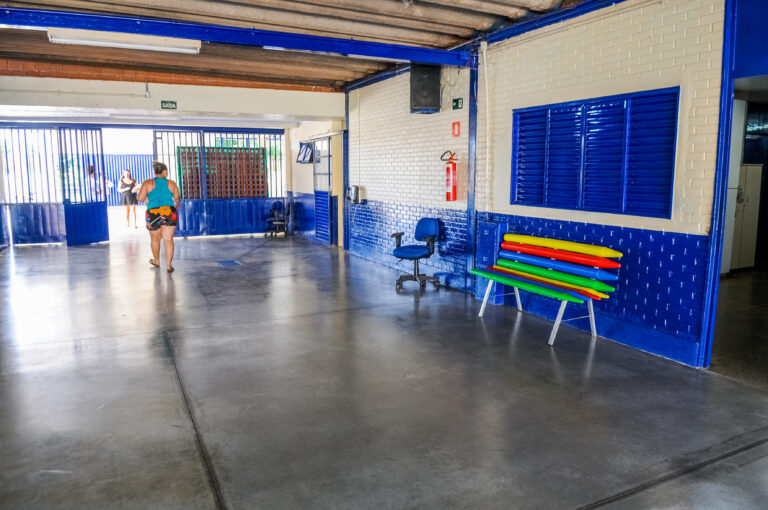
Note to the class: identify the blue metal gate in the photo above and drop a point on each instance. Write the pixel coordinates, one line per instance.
(52, 184)
(83, 182)
(228, 179)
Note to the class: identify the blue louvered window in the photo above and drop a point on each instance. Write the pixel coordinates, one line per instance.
(613, 154)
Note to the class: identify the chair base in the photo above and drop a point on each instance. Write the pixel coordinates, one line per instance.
(417, 277)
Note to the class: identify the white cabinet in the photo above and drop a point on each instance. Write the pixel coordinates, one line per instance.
(746, 217)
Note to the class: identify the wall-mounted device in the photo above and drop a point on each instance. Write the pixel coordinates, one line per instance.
(353, 194)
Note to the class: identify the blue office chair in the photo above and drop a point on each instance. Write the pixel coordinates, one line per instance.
(427, 230)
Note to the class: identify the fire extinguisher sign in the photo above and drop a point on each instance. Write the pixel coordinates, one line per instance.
(450, 175)
(456, 129)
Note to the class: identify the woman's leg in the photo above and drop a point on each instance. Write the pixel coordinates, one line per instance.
(154, 237)
(167, 232)
(133, 208)
(128, 215)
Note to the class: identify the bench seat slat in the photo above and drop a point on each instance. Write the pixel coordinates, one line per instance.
(556, 275)
(521, 284)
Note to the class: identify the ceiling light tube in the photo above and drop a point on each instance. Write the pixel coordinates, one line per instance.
(123, 40)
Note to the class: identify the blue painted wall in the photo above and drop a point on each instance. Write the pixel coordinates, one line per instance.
(372, 223)
(224, 216)
(658, 302)
(304, 214)
(751, 38)
(37, 223)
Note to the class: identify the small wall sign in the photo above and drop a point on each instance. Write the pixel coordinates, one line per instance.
(167, 105)
(456, 128)
(458, 103)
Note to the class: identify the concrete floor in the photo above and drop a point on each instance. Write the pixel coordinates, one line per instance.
(740, 348)
(301, 379)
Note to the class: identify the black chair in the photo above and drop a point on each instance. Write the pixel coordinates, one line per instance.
(427, 231)
(277, 219)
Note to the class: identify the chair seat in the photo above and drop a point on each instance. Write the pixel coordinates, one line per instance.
(411, 251)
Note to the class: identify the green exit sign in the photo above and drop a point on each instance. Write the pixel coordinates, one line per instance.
(458, 103)
(168, 105)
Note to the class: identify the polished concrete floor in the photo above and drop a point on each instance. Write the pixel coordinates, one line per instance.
(301, 379)
(740, 347)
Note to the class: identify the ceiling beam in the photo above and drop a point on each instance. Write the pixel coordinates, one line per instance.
(231, 35)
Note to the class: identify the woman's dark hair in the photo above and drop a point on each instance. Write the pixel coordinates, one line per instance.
(129, 173)
(159, 167)
(91, 170)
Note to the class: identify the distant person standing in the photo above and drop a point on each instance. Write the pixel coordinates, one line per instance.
(127, 189)
(162, 196)
(93, 185)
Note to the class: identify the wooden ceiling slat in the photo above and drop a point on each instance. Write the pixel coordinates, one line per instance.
(29, 45)
(369, 16)
(448, 16)
(250, 16)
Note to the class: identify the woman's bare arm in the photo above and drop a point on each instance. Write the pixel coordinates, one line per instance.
(176, 193)
(146, 187)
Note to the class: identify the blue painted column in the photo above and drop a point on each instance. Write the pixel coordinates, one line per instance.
(345, 173)
(721, 182)
(472, 167)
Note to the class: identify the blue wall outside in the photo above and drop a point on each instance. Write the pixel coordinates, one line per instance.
(658, 302)
(140, 166)
(373, 222)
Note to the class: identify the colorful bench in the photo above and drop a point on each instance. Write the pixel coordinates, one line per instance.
(564, 270)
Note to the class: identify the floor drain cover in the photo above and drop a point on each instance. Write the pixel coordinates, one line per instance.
(229, 263)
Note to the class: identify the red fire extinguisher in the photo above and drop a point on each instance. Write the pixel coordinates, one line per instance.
(450, 175)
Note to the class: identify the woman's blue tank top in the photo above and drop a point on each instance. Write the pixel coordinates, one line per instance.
(161, 195)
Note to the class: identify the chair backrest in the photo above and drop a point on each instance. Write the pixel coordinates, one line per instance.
(426, 227)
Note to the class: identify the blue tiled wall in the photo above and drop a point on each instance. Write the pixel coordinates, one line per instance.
(658, 302)
(372, 223)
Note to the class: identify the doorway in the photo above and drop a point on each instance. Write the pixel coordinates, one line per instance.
(740, 345)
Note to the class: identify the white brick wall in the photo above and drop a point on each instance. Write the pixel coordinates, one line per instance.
(632, 46)
(395, 155)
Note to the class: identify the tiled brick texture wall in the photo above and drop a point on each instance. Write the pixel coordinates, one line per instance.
(374, 222)
(662, 278)
(394, 155)
(631, 46)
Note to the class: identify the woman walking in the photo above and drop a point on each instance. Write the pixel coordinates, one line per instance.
(126, 187)
(163, 197)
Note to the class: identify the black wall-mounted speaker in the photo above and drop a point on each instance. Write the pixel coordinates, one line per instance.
(425, 88)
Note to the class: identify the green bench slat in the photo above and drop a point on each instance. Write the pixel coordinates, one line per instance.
(530, 287)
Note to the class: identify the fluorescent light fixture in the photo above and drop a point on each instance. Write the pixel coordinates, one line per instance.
(123, 40)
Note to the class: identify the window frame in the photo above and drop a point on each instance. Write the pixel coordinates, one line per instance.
(547, 108)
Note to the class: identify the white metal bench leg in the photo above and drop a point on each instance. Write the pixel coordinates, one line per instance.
(485, 299)
(517, 298)
(592, 318)
(557, 322)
